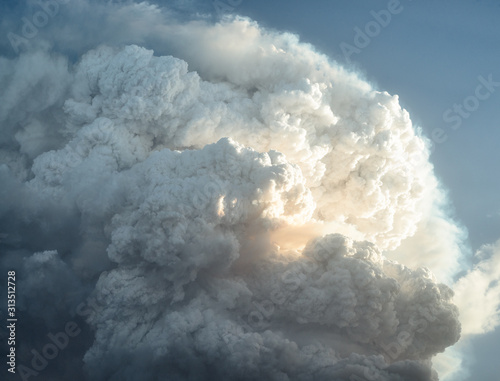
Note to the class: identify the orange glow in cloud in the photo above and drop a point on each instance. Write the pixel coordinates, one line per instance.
(295, 237)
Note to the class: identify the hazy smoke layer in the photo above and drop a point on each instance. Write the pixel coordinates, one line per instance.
(189, 210)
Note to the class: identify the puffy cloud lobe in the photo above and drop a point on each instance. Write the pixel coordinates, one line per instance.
(177, 221)
(206, 338)
(49, 285)
(478, 292)
(350, 288)
(354, 158)
(33, 89)
(184, 210)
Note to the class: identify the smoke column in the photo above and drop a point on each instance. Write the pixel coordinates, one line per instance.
(231, 205)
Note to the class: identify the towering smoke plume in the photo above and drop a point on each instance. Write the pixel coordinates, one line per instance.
(224, 212)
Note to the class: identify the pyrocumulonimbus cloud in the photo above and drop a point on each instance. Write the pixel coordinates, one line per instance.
(242, 209)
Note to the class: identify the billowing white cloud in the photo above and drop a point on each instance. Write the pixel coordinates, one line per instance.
(355, 159)
(477, 294)
(207, 191)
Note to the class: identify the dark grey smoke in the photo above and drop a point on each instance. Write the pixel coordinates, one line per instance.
(223, 207)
